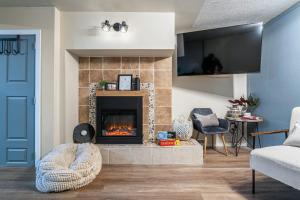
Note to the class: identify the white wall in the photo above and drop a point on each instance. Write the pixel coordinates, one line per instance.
(146, 30)
(42, 18)
(206, 91)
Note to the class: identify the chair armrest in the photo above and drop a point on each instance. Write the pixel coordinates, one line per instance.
(285, 131)
(224, 124)
(197, 124)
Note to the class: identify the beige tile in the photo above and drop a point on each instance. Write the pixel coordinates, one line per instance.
(84, 78)
(162, 156)
(104, 150)
(142, 156)
(163, 115)
(163, 63)
(84, 63)
(146, 98)
(119, 155)
(163, 97)
(145, 115)
(166, 127)
(111, 63)
(83, 114)
(146, 132)
(163, 79)
(134, 72)
(184, 155)
(111, 75)
(95, 76)
(147, 63)
(130, 62)
(83, 96)
(147, 76)
(96, 62)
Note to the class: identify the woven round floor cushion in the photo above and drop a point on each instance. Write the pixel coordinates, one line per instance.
(68, 167)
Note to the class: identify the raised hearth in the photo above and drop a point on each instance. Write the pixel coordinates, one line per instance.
(119, 117)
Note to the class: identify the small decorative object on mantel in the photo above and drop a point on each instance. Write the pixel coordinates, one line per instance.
(183, 128)
(124, 81)
(102, 84)
(136, 83)
(111, 86)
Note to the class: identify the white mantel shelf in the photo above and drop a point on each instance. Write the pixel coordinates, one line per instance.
(120, 93)
(188, 153)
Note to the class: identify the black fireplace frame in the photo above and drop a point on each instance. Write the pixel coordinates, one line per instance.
(119, 103)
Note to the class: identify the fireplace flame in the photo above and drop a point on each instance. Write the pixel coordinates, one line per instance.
(120, 130)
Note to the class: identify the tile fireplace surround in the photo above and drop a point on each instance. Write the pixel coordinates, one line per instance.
(156, 81)
(154, 71)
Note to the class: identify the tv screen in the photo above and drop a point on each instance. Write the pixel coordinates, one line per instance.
(230, 50)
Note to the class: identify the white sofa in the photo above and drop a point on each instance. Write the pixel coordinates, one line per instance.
(68, 167)
(279, 162)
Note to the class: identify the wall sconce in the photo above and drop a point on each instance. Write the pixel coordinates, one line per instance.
(118, 27)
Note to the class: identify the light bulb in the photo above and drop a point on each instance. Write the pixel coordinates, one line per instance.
(106, 26)
(124, 27)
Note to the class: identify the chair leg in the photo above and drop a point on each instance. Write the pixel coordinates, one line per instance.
(205, 145)
(253, 181)
(224, 143)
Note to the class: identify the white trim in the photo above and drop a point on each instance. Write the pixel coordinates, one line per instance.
(38, 83)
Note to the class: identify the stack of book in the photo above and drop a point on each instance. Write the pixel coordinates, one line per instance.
(167, 138)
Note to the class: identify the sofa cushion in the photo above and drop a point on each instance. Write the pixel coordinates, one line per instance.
(294, 136)
(214, 130)
(279, 162)
(207, 120)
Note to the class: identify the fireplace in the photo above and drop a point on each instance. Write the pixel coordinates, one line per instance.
(119, 120)
(118, 123)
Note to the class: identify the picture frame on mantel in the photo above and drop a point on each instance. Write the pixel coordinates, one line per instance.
(125, 82)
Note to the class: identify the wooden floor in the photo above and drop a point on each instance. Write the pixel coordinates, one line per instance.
(220, 178)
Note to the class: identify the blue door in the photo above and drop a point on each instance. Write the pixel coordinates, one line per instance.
(17, 83)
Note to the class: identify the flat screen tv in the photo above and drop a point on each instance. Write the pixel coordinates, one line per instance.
(230, 50)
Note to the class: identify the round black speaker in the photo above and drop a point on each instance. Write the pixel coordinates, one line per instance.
(83, 133)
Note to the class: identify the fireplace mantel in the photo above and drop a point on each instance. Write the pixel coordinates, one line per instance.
(120, 93)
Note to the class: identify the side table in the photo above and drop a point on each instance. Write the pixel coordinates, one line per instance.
(236, 140)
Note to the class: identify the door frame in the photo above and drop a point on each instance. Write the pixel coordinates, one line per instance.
(38, 75)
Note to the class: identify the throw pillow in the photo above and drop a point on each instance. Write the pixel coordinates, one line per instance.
(294, 137)
(207, 120)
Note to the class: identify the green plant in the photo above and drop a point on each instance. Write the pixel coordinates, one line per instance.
(252, 102)
(102, 83)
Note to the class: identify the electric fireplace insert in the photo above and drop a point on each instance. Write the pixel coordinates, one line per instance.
(119, 120)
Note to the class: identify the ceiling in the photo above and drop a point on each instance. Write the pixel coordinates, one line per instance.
(190, 14)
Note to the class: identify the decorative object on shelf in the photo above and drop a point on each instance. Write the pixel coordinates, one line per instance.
(102, 84)
(118, 27)
(241, 106)
(111, 86)
(83, 133)
(164, 135)
(252, 102)
(136, 83)
(183, 128)
(10, 46)
(124, 81)
(167, 142)
(234, 111)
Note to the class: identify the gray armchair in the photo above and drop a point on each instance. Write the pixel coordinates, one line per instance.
(222, 129)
